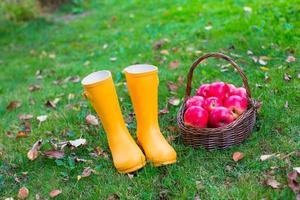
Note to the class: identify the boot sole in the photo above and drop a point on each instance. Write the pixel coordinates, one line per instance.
(132, 169)
(157, 164)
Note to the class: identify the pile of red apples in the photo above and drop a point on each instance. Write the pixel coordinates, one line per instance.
(215, 105)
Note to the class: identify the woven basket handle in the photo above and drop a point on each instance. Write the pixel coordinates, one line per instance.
(215, 55)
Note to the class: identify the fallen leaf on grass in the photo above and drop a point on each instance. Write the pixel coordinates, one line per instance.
(52, 55)
(273, 183)
(163, 111)
(286, 104)
(86, 63)
(208, 27)
(9, 134)
(34, 151)
(158, 44)
(113, 196)
(91, 119)
(265, 69)
(73, 79)
(237, 156)
(21, 134)
(287, 77)
(292, 181)
(130, 176)
(266, 157)
(13, 105)
(290, 59)
(173, 87)
(54, 154)
(33, 88)
(23, 193)
(86, 172)
(100, 152)
(297, 169)
(180, 80)
(52, 104)
(247, 9)
(174, 64)
(42, 118)
(164, 52)
(25, 116)
(113, 59)
(55, 193)
(174, 101)
(76, 143)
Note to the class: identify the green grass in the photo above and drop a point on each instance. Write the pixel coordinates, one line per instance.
(272, 29)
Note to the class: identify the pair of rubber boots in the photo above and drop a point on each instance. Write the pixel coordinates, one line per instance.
(142, 83)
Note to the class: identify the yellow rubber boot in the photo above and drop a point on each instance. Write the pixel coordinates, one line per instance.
(99, 89)
(142, 82)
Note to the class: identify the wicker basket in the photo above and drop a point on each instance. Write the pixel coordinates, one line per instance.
(226, 136)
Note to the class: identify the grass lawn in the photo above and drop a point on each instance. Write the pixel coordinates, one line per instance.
(114, 34)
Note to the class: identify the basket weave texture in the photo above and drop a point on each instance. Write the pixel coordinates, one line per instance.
(222, 137)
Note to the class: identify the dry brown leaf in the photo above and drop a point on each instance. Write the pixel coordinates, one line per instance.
(50, 104)
(74, 79)
(290, 59)
(54, 154)
(287, 77)
(273, 183)
(21, 134)
(86, 172)
(180, 80)
(34, 151)
(76, 143)
(100, 152)
(158, 44)
(297, 169)
(13, 105)
(25, 116)
(34, 87)
(266, 157)
(164, 52)
(54, 193)
(91, 119)
(247, 9)
(292, 181)
(113, 59)
(23, 193)
(174, 64)
(42, 118)
(174, 101)
(173, 87)
(9, 134)
(113, 196)
(265, 69)
(130, 176)
(163, 111)
(237, 156)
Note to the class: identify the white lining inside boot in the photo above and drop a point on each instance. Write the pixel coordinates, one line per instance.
(96, 77)
(140, 68)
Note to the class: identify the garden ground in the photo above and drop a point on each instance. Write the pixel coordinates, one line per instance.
(53, 52)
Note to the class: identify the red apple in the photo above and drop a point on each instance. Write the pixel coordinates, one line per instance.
(196, 117)
(218, 89)
(202, 90)
(220, 116)
(240, 92)
(231, 87)
(211, 102)
(236, 104)
(195, 101)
